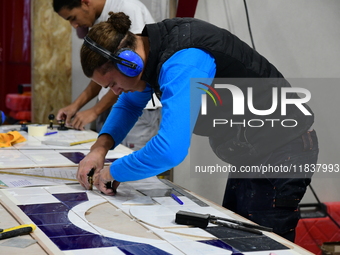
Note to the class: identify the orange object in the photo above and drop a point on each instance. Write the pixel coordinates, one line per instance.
(10, 138)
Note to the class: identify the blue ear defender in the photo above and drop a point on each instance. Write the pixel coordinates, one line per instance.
(133, 57)
(126, 60)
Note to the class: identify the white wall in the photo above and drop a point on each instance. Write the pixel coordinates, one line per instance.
(79, 80)
(159, 9)
(301, 38)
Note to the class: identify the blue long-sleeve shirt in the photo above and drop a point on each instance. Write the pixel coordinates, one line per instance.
(180, 108)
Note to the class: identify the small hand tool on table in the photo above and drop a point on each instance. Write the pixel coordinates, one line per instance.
(202, 221)
(16, 231)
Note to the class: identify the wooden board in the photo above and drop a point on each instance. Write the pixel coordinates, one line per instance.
(51, 61)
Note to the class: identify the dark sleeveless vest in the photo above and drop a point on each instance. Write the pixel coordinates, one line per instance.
(245, 68)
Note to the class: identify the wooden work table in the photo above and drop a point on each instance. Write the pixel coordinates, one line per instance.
(141, 217)
(112, 216)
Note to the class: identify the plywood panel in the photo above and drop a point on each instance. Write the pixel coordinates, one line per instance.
(51, 61)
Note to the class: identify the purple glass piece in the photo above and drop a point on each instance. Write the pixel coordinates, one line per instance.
(68, 236)
(87, 241)
(43, 208)
(79, 196)
(63, 230)
(50, 218)
(219, 244)
(75, 157)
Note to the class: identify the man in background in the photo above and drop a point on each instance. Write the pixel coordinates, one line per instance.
(83, 14)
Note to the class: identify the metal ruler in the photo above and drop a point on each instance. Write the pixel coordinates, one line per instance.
(184, 193)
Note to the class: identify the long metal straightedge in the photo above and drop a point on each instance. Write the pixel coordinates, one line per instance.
(184, 193)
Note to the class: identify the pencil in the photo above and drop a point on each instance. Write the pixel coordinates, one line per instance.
(84, 141)
(65, 143)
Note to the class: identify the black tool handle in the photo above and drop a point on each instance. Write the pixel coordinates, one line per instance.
(90, 178)
(241, 223)
(15, 232)
(242, 228)
(191, 218)
(109, 184)
(91, 173)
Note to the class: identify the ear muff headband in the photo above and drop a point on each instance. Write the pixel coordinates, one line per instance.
(126, 60)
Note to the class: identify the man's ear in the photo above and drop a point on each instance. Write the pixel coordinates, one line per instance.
(86, 2)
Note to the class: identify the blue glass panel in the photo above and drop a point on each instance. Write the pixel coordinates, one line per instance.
(75, 157)
(50, 218)
(142, 249)
(63, 230)
(43, 208)
(87, 241)
(56, 225)
(79, 196)
(219, 244)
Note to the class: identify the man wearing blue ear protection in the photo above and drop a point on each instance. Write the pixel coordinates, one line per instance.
(83, 14)
(173, 52)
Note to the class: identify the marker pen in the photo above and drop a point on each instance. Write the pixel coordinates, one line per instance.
(51, 133)
(177, 199)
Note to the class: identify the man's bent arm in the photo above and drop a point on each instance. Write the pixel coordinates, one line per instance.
(90, 92)
(105, 102)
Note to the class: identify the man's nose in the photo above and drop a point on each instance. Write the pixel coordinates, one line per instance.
(74, 24)
(116, 90)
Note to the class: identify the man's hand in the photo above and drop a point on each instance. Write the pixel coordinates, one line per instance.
(95, 159)
(81, 119)
(92, 160)
(67, 114)
(74, 119)
(105, 183)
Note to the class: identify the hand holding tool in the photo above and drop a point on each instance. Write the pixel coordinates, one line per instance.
(90, 178)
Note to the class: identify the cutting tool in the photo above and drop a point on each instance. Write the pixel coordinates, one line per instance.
(90, 178)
